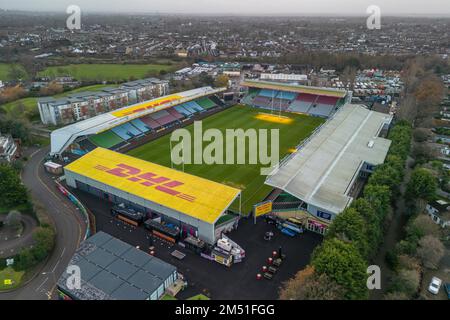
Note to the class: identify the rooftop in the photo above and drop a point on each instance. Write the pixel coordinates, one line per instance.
(294, 88)
(321, 172)
(114, 270)
(190, 195)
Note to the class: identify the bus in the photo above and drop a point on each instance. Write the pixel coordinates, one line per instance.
(161, 231)
(127, 215)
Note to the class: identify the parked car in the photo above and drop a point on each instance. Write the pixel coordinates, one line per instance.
(435, 285)
(447, 289)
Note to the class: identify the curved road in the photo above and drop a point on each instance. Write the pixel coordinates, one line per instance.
(69, 225)
(14, 245)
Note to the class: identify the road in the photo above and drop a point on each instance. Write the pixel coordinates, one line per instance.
(10, 245)
(69, 225)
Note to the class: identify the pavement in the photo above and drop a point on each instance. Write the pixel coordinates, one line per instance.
(209, 277)
(10, 244)
(69, 226)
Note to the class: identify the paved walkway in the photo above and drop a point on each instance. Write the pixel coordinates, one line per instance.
(11, 245)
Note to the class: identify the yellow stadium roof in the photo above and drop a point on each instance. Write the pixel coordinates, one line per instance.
(145, 105)
(194, 196)
(330, 92)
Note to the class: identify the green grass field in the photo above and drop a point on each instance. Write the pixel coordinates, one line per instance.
(245, 177)
(4, 71)
(106, 72)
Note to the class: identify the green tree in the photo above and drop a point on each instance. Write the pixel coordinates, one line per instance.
(379, 196)
(372, 223)
(13, 192)
(343, 264)
(422, 185)
(349, 226)
(221, 81)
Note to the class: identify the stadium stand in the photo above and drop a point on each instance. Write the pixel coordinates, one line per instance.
(126, 131)
(175, 114)
(163, 117)
(187, 113)
(268, 93)
(87, 145)
(140, 125)
(321, 110)
(252, 93)
(107, 139)
(262, 102)
(327, 100)
(150, 123)
(205, 103)
(281, 103)
(286, 95)
(216, 101)
(194, 105)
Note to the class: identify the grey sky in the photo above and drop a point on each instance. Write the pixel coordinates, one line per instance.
(294, 7)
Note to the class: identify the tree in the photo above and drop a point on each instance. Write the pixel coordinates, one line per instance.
(342, 263)
(425, 225)
(387, 175)
(372, 223)
(221, 81)
(406, 281)
(379, 196)
(307, 285)
(430, 251)
(13, 219)
(420, 135)
(15, 72)
(52, 89)
(422, 185)
(349, 226)
(13, 192)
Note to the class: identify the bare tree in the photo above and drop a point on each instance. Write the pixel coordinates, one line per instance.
(430, 251)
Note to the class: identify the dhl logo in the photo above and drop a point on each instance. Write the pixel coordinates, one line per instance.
(146, 106)
(148, 179)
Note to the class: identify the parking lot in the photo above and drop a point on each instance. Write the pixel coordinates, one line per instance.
(209, 277)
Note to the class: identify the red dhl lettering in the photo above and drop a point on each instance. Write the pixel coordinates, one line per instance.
(148, 179)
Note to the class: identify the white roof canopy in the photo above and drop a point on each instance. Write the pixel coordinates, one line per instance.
(62, 138)
(322, 171)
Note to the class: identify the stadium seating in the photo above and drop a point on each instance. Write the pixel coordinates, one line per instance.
(281, 103)
(286, 95)
(321, 110)
(268, 93)
(194, 105)
(302, 103)
(175, 114)
(262, 102)
(140, 125)
(327, 100)
(183, 110)
(252, 93)
(87, 145)
(151, 123)
(126, 131)
(205, 103)
(216, 101)
(163, 117)
(107, 139)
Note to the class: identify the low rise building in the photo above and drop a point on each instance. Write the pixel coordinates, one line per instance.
(439, 212)
(111, 269)
(84, 105)
(8, 149)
